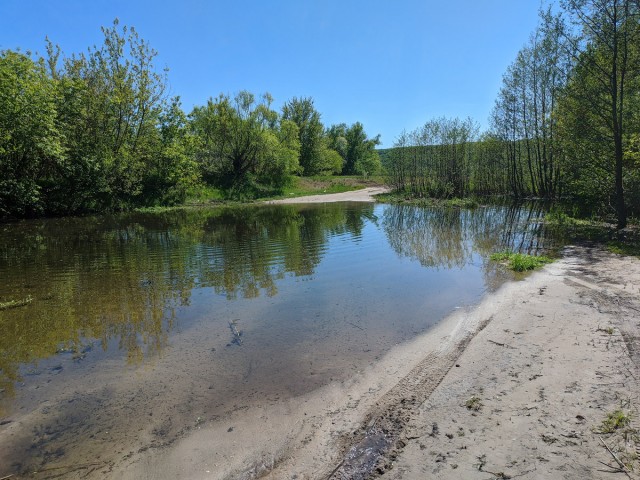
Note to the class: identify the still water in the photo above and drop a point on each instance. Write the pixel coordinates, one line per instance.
(140, 327)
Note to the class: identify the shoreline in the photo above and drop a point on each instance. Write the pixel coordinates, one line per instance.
(517, 386)
(536, 354)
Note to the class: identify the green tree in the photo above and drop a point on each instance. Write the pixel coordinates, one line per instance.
(336, 136)
(173, 170)
(110, 103)
(238, 145)
(30, 141)
(605, 83)
(361, 157)
(302, 112)
(523, 116)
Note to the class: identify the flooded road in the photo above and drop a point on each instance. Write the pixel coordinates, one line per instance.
(138, 329)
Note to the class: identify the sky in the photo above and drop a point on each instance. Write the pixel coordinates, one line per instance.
(389, 64)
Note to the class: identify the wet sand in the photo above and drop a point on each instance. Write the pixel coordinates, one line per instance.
(544, 360)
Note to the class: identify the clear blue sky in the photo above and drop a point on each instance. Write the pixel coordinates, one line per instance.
(390, 64)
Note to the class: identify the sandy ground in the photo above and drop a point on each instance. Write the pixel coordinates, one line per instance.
(362, 195)
(558, 356)
(517, 387)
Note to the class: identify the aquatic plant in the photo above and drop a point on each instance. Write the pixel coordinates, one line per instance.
(16, 303)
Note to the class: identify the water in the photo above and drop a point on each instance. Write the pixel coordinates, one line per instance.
(143, 326)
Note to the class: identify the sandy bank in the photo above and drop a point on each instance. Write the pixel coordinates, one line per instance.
(545, 359)
(559, 355)
(362, 195)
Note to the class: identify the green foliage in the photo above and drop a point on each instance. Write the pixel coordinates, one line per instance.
(520, 262)
(360, 156)
(404, 198)
(240, 148)
(615, 420)
(434, 160)
(90, 132)
(95, 132)
(624, 248)
(302, 112)
(30, 140)
(332, 160)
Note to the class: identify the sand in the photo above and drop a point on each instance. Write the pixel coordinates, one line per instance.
(362, 195)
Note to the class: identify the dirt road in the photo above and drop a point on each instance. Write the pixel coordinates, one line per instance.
(362, 195)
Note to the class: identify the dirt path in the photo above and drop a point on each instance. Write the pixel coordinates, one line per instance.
(362, 195)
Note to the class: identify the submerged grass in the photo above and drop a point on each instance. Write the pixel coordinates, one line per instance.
(521, 262)
(16, 303)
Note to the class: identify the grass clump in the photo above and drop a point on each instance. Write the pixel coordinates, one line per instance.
(614, 421)
(474, 403)
(520, 262)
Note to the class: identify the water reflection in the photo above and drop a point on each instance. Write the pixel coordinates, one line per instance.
(122, 277)
(449, 237)
(123, 280)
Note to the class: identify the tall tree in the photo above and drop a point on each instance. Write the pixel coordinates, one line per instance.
(607, 65)
(303, 113)
(238, 145)
(524, 112)
(110, 102)
(360, 157)
(30, 141)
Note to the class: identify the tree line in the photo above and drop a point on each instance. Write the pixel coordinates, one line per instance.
(566, 121)
(98, 132)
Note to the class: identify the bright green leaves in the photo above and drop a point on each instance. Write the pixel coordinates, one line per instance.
(30, 143)
(242, 145)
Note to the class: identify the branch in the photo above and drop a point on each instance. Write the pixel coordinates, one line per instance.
(615, 457)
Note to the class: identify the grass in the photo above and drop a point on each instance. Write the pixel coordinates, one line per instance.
(474, 403)
(300, 186)
(614, 421)
(200, 194)
(624, 248)
(406, 199)
(16, 303)
(520, 262)
(625, 242)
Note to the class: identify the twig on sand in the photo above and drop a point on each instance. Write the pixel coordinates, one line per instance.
(354, 325)
(335, 470)
(8, 476)
(501, 344)
(615, 457)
